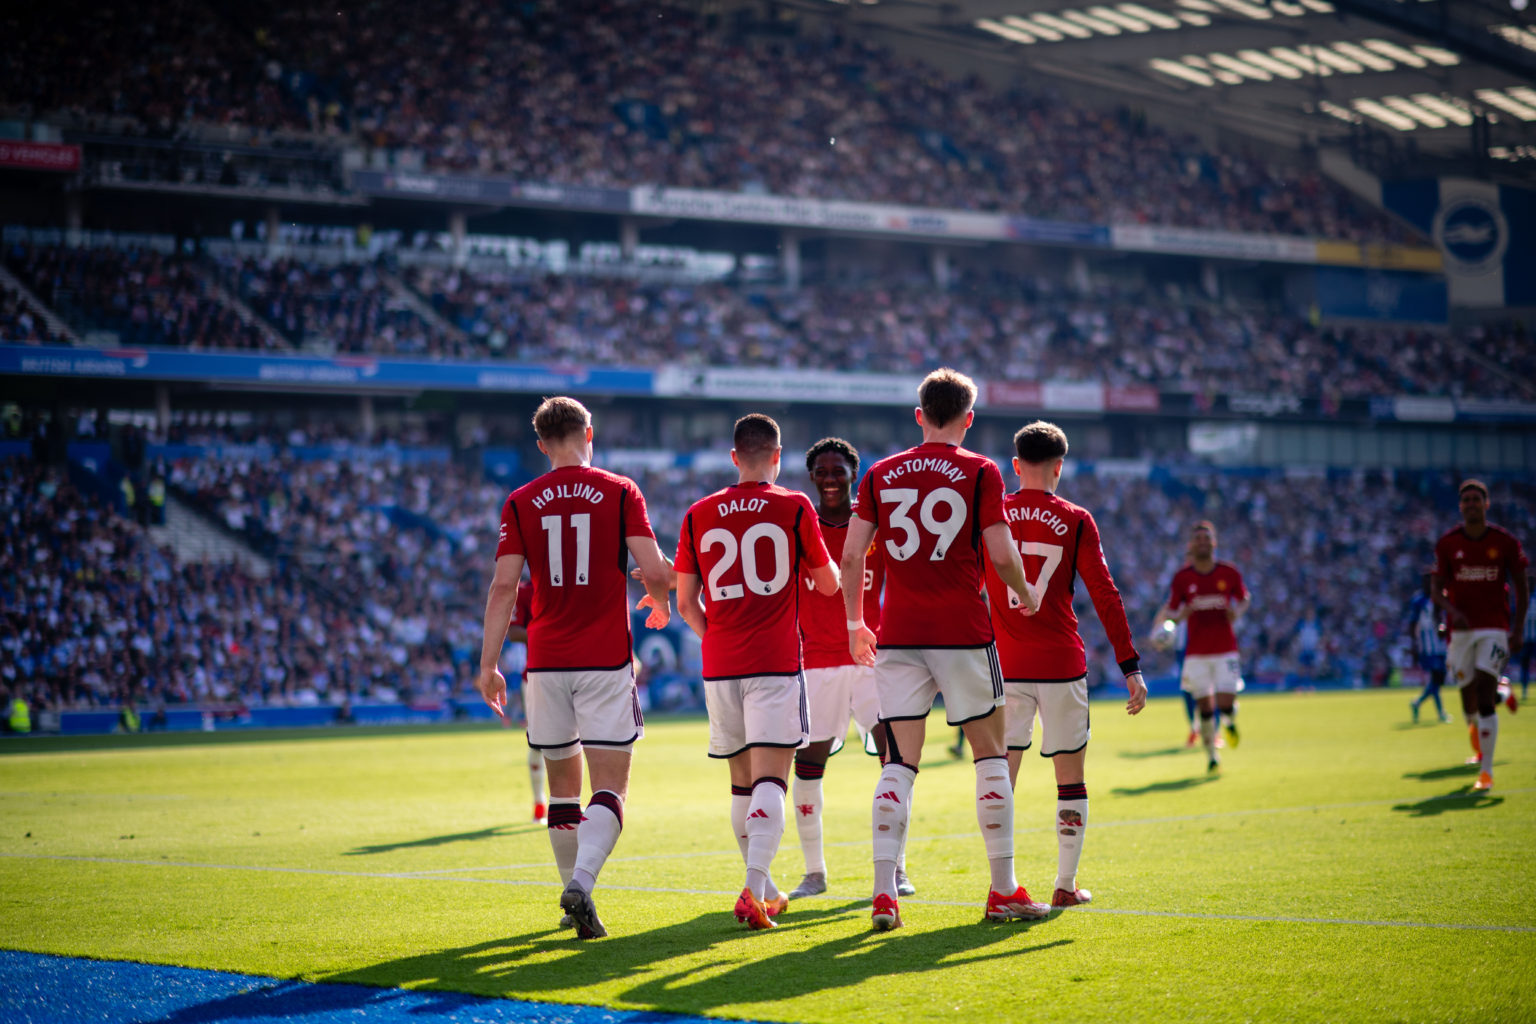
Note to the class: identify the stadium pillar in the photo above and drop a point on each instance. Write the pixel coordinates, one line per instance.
(938, 265)
(1080, 277)
(789, 257)
(274, 222)
(629, 238)
(365, 417)
(1210, 280)
(74, 217)
(457, 227)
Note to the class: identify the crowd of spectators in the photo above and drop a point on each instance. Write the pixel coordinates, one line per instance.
(21, 322)
(341, 307)
(143, 295)
(635, 92)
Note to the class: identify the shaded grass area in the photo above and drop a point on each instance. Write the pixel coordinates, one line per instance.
(1337, 869)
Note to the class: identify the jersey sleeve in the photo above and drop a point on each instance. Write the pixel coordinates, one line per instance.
(1240, 589)
(1094, 570)
(637, 521)
(1519, 564)
(989, 496)
(864, 503)
(686, 560)
(510, 542)
(816, 554)
(1175, 595)
(1442, 564)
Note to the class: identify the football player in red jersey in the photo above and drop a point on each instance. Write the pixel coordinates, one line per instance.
(517, 633)
(1475, 563)
(839, 688)
(939, 512)
(573, 526)
(741, 554)
(1045, 668)
(1209, 597)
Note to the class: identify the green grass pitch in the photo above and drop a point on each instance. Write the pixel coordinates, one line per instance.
(1337, 870)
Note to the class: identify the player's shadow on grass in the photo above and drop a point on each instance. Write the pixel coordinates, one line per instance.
(1461, 800)
(1449, 772)
(1170, 786)
(495, 832)
(1142, 755)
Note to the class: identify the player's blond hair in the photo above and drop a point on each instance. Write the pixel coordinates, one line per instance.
(559, 417)
(945, 395)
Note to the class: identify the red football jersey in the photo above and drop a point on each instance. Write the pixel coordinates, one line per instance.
(823, 619)
(1475, 574)
(522, 612)
(1059, 542)
(930, 505)
(750, 542)
(571, 524)
(1208, 596)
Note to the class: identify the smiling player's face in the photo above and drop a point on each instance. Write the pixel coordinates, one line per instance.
(1201, 544)
(833, 478)
(1474, 507)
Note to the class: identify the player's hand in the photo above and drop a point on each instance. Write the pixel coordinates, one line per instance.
(639, 577)
(862, 645)
(493, 690)
(1138, 689)
(1029, 601)
(659, 617)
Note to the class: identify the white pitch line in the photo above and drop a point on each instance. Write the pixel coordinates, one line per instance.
(1176, 914)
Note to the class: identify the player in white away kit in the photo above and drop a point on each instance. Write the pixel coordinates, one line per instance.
(573, 526)
(741, 554)
(1472, 564)
(936, 507)
(1209, 597)
(840, 688)
(1045, 668)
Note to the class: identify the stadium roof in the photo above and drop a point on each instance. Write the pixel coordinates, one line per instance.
(1285, 70)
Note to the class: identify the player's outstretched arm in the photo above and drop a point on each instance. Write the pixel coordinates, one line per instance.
(639, 577)
(1137, 687)
(689, 603)
(499, 604)
(1010, 567)
(861, 639)
(657, 575)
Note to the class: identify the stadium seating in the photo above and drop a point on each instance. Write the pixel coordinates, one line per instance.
(596, 92)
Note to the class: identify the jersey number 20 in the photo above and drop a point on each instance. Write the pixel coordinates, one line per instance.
(750, 569)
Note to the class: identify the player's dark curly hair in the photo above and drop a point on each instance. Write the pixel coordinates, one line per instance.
(832, 444)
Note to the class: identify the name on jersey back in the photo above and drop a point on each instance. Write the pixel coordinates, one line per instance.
(742, 505)
(585, 492)
(928, 465)
(1043, 516)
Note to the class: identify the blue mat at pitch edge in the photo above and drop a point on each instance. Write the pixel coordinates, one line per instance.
(38, 989)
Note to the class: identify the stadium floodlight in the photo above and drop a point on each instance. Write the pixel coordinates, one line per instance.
(1405, 106)
(1008, 32)
(1320, 6)
(1448, 107)
(1157, 19)
(1515, 34)
(1342, 113)
(1300, 60)
(1434, 54)
(1063, 26)
(1397, 53)
(1360, 55)
(1091, 23)
(1237, 67)
(1259, 59)
(1120, 18)
(1195, 18)
(1248, 10)
(1508, 104)
(1337, 61)
(1045, 32)
(1177, 70)
(1386, 115)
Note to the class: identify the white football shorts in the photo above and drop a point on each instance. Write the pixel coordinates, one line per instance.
(1063, 710)
(1476, 650)
(756, 711)
(837, 696)
(907, 679)
(597, 708)
(1208, 674)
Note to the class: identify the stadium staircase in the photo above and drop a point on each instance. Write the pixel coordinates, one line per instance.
(55, 323)
(248, 317)
(194, 538)
(420, 306)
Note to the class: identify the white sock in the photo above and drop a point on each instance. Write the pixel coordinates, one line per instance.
(808, 823)
(1208, 734)
(892, 813)
(596, 836)
(765, 830)
(901, 855)
(1488, 733)
(536, 775)
(1071, 824)
(994, 813)
(741, 801)
(564, 823)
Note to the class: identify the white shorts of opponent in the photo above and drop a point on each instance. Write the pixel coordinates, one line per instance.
(839, 695)
(598, 708)
(908, 679)
(1473, 651)
(1208, 674)
(1063, 710)
(756, 711)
